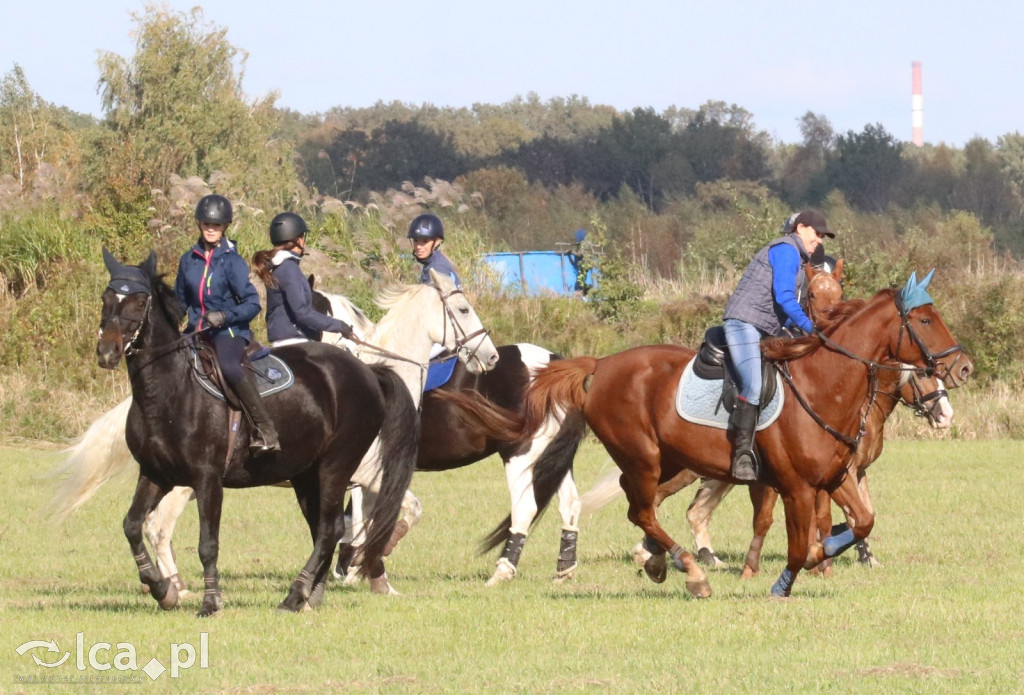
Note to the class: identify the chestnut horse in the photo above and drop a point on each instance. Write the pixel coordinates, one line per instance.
(628, 400)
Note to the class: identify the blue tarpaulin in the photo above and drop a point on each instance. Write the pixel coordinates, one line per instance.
(538, 273)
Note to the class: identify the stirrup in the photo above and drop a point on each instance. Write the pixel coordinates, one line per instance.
(745, 466)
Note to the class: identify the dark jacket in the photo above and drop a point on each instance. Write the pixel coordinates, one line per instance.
(217, 281)
(439, 262)
(290, 312)
(753, 301)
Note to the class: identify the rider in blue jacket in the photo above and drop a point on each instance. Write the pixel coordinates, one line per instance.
(213, 284)
(290, 313)
(764, 300)
(427, 235)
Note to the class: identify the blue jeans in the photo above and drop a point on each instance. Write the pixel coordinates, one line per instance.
(745, 357)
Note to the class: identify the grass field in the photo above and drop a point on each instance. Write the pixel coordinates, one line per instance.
(941, 615)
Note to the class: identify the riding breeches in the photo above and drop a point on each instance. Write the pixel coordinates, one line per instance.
(229, 354)
(745, 358)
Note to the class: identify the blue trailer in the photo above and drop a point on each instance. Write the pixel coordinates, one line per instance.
(540, 273)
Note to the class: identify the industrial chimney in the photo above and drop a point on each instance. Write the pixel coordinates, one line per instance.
(917, 106)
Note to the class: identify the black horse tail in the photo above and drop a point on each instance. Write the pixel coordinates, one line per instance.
(550, 468)
(399, 445)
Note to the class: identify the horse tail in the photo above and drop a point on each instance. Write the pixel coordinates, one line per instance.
(399, 445)
(558, 388)
(550, 468)
(97, 456)
(481, 415)
(604, 491)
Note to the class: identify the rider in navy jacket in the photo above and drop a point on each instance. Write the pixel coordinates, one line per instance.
(427, 235)
(213, 284)
(290, 312)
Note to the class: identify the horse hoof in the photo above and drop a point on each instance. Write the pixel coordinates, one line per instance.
(640, 554)
(699, 589)
(749, 572)
(504, 572)
(381, 585)
(707, 557)
(170, 599)
(656, 568)
(211, 609)
(566, 574)
(316, 598)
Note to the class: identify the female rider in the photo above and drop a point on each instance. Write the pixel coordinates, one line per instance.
(213, 283)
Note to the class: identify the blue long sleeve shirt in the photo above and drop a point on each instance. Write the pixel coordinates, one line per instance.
(785, 263)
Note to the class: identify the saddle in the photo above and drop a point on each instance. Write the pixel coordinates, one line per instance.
(271, 372)
(439, 371)
(710, 365)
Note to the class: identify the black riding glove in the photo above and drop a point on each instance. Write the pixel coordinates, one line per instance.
(216, 319)
(346, 331)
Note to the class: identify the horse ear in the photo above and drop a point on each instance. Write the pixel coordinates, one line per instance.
(927, 279)
(838, 272)
(113, 265)
(149, 265)
(312, 280)
(808, 270)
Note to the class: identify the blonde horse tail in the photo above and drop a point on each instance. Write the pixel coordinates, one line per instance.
(604, 491)
(96, 457)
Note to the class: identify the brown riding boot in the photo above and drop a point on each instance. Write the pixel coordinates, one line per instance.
(742, 421)
(264, 434)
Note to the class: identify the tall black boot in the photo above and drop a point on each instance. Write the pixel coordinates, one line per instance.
(264, 435)
(742, 421)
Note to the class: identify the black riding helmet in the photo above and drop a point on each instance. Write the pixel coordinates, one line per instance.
(287, 227)
(426, 227)
(215, 209)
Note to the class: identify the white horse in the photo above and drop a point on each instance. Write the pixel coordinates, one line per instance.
(419, 316)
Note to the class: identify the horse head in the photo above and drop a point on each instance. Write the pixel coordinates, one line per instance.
(824, 289)
(127, 301)
(927, 397)
(462, 331)
(924, 337)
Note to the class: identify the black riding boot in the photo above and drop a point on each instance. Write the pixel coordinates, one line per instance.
(264, 435)
(742, 421)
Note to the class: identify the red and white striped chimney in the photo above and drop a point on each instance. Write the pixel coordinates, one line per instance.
(917, 106)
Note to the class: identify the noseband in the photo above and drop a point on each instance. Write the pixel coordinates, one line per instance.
(128, 347)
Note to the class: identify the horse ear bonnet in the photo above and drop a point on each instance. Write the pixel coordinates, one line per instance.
(126, 279)
(915, 293)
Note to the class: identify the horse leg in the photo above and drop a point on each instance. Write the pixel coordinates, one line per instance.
(670, 487)
(823, 516)
(210, 498)
(860, 521)
(324, 516)
(709, 495)
(379, 583)
(569, 507)
(412, 512)
(642, 512)
(519, 478)
(864, 554)
(147, 495)
(763, 499)
(159, 528)
(349, 543)
(799, 505)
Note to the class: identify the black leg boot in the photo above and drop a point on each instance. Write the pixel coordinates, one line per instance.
(264, 435)
(743, 420)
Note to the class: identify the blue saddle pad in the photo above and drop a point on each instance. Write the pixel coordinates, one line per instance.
(439, 372)
(272, 375)
(699, 401)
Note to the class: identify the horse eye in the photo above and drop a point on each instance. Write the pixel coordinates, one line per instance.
(464, 311)
(926, 321)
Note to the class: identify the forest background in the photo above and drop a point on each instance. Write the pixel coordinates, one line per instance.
(674, 203)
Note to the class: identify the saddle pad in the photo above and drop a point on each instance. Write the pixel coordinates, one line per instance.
(699, 401)
(272, 375)
(439, 372)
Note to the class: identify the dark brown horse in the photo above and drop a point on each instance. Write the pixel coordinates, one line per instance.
(628, 401)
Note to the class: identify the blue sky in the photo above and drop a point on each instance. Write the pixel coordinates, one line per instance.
(850, 62)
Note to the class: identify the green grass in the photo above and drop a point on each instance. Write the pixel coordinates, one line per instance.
(941, 615)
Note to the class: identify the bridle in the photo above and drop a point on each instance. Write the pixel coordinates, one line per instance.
(462, 338)
(128, 347)
(918, 406)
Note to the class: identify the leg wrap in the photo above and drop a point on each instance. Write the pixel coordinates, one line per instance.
(567, 551)
(514, 548)
(783, 585)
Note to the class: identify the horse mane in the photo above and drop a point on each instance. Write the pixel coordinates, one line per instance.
(388, 297)
(167, 301)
